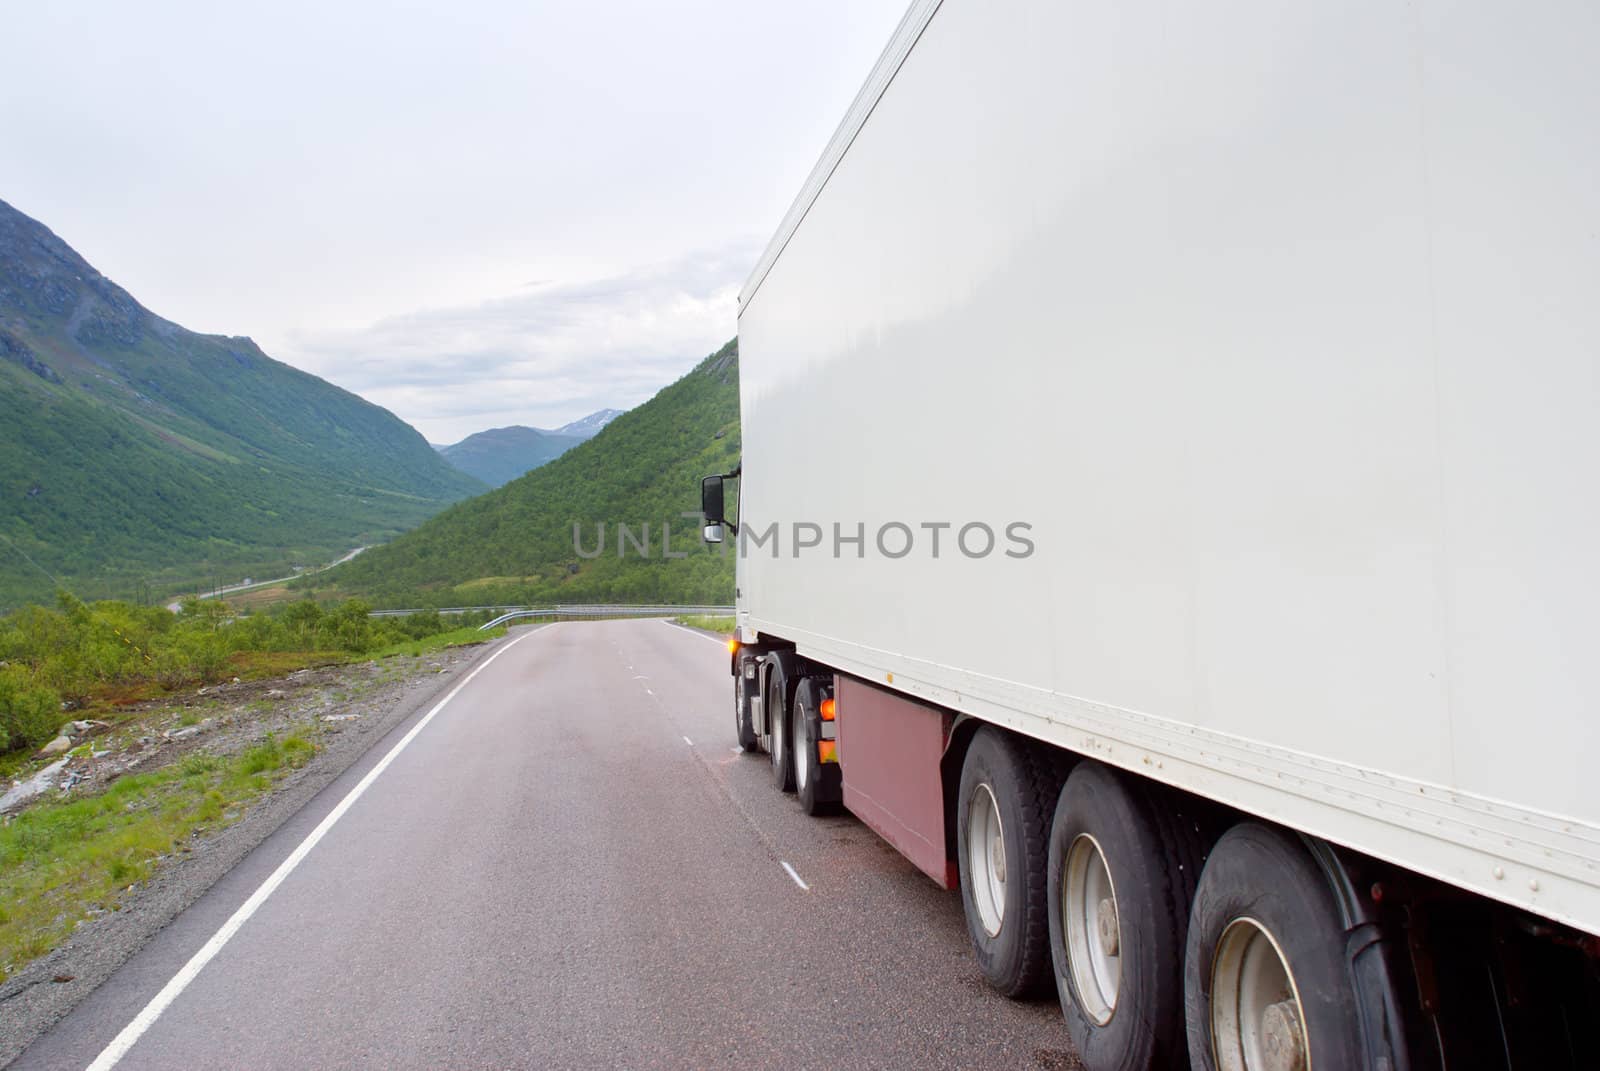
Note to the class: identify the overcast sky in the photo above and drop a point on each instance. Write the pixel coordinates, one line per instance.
(473, 213)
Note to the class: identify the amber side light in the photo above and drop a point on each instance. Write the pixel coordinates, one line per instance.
(828, 709)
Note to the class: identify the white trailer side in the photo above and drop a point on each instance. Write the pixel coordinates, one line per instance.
(1279, 326)
(1183, 416)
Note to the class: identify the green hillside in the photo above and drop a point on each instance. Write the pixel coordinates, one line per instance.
(137, 456)
(515, 544)
(500, 455)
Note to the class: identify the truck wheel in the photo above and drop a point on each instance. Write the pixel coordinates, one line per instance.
(742, 725)
(1266, 976)
(1121, 875)
(778, 731)
(816, 782)
(1002, 823)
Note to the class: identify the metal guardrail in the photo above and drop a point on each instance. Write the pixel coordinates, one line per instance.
(606, 611)
(442, 610)
(511, 613)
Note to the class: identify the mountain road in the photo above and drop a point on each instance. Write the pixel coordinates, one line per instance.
(565, 863)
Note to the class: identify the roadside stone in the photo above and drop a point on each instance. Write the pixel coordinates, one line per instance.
(180, 734)
(276, 693)
(37, 785)
(340, 717)
(57, 746)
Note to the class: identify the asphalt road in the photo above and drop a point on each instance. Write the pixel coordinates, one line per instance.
(568, 866)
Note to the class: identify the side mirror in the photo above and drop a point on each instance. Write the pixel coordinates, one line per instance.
(711, 506)
(711, 498)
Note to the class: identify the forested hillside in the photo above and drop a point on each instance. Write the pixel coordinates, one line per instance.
(515, 544)
(136, 456)
(500, 455)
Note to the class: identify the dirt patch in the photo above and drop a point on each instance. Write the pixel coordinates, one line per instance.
(259, 598)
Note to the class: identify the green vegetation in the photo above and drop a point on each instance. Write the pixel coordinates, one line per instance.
(61, 862)
(723, 624)
(515, 545)
(139, 457)
(500, 455)
(459, 637)
(110, 653)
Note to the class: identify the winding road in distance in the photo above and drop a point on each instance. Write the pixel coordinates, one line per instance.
(567, 865)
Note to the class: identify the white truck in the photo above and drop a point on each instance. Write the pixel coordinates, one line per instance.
(1169, 512)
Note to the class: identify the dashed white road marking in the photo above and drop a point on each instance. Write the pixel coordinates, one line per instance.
(738, 751)
(152, 1011)
(686, 740)
(793, 875)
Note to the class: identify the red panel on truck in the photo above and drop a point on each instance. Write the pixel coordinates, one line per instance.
(889, 752)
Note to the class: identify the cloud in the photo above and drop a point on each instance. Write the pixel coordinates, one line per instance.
(545, 355)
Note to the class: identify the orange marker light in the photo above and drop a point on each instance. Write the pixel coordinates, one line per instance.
(733, 646)
(827, 751)
(827, 709)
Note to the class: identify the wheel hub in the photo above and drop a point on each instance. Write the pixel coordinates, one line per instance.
(986, 859)
(1257, 1020)
(1283, 1038)
(1092, 930)
(1110, 930)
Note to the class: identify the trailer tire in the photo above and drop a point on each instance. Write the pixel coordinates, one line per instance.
(778, 742)
(816, 783)
(1006, 798)
(1121, 876)
(743, 725)
(1266, 968)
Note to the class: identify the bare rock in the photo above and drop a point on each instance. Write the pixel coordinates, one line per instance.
(57, 746)
(37, 785)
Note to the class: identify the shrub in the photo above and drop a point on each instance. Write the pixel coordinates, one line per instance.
(29, 714)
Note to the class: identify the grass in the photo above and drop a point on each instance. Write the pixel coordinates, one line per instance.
(723, 625)
(263, 665)
(460, 637)
(62, 862)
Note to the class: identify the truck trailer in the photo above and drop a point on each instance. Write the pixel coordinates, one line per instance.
(1167, 513)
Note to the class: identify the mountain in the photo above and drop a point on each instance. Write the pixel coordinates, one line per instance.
(589, 426)
(516, 544)
(136, 455)
(500, 455)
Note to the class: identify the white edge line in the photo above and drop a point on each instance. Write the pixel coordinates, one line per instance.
(793, 875)
(146, 1018)
(686, 740)
(692, 632)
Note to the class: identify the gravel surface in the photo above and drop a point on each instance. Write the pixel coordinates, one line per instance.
(354, 706)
